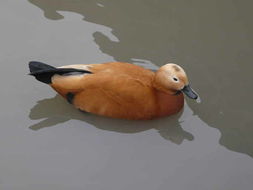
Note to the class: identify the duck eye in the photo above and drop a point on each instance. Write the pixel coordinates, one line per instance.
(175, 79)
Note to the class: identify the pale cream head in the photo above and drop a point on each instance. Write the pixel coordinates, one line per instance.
(171, 78)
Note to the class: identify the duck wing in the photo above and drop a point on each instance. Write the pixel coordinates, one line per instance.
(113, 89)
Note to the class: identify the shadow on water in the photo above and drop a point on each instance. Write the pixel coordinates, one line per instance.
(56, 110)
(211, 40)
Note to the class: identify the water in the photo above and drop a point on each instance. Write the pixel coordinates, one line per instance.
(46, 144)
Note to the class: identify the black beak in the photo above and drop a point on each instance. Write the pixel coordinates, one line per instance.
(187, 90)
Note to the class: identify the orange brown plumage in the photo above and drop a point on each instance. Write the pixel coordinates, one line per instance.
(123, 90)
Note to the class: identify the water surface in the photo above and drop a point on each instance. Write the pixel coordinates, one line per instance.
(47, 144)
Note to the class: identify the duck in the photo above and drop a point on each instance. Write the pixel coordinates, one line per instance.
(117, 89)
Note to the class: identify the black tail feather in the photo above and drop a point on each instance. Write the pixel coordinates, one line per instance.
(35, 66)
(43, 72)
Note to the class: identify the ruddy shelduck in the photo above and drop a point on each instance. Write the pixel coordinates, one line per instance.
(118, 90)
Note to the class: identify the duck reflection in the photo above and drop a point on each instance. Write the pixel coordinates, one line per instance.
(55, 110)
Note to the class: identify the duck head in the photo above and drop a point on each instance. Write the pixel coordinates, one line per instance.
(172, 79)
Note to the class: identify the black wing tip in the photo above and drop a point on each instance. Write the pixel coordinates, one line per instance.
(35, 66)
(44, 72)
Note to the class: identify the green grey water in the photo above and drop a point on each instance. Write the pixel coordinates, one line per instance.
(47, 144)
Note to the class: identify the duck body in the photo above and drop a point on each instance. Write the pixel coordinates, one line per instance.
(115, 89)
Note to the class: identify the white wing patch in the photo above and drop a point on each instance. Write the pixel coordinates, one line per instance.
(81, 66)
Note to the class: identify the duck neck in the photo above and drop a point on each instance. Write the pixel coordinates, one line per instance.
(168, 101)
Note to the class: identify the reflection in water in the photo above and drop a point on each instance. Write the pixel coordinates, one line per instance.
(211, 40)
(56, 110)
